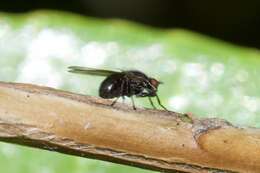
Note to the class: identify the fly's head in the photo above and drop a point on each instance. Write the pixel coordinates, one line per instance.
(154, 84)
(150, 88)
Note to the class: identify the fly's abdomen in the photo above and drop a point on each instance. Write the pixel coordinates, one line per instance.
(111, 87)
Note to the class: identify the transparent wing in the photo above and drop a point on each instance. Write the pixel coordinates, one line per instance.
(91, 71)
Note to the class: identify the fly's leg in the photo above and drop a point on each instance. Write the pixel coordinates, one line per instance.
(121, 94)
(122, 91)
(133, 103)
(114, 102)
(123, 97)
(159, 102)
(127, 87)
(151, 102)
(129, 93)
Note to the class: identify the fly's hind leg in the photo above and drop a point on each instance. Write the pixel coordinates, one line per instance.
(121, 94)
(114, 102)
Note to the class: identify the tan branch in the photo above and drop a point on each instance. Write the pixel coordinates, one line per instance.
(158, 140)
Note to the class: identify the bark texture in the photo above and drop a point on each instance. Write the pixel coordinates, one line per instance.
(157, 140)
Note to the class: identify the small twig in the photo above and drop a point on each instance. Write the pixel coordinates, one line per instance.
(157, 140)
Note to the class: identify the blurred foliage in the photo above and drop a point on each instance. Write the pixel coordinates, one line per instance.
(202, 75)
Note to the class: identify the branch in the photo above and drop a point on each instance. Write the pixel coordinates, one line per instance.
(157, 140)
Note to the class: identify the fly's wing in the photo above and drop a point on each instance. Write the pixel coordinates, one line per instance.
(91, 71)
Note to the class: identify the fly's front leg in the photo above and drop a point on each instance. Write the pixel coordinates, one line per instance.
(159, 102)
(151, 102)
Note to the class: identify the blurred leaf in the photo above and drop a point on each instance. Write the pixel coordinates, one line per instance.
(202, 75)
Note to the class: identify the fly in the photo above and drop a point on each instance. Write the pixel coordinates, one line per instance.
(123, 84)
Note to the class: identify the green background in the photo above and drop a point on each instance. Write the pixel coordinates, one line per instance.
(202, 75)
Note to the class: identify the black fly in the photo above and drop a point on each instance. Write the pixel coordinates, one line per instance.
(123, 83)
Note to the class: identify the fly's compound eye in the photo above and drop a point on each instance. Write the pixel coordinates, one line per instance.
(154, 82)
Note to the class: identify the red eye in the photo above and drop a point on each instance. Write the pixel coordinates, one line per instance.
(154, 82)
